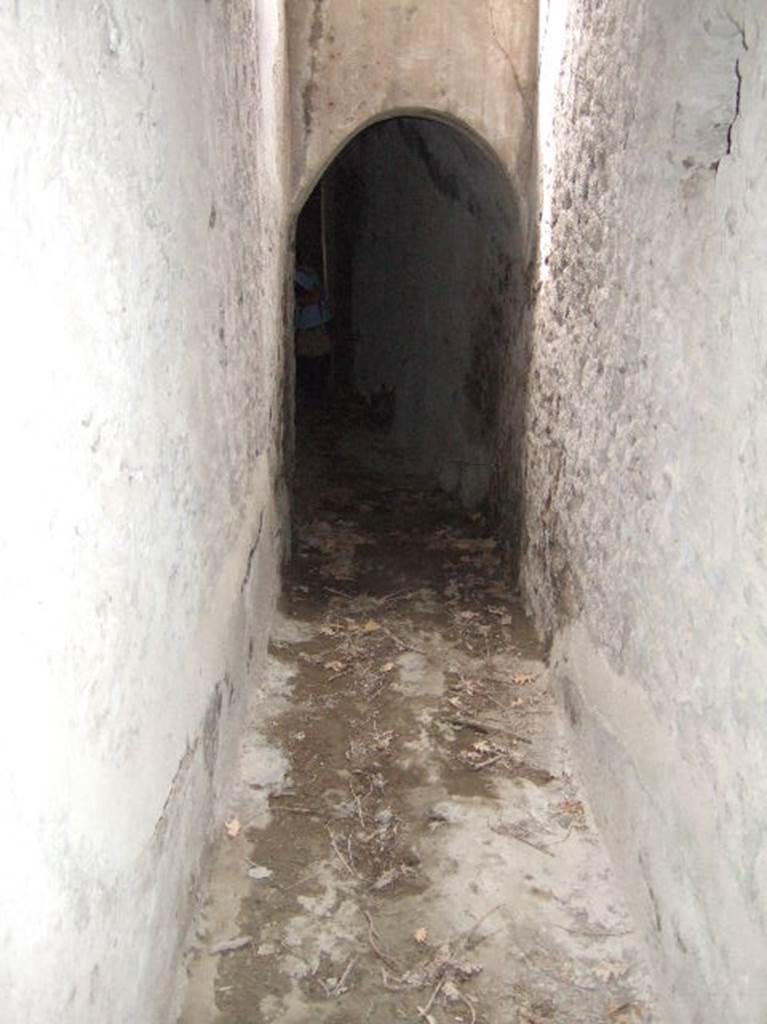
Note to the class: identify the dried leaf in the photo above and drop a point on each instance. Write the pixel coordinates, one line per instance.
(334, 666)
(522, 678)
(572, 807)
(388, 667)
(233, 827)
(371, 626)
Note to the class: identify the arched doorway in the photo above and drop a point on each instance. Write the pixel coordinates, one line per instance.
(413, 231)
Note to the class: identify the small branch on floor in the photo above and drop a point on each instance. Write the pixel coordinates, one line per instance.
(527, 842)
(388, 985)
(594, 934)
(373, 939)
(492, 700)
(619, 1009)
(483, 938)
(358, 807)
(401, 643)
(230, 945)
(425, 1011)
(465, 936)
(469, 723)
(296, 810)
(565, 837)
(334, 844)
(487, 764)
(467, 1002)
(351, 855)
(340, 986)
(306, 878)
(345, 672)
(393, 596)
(485, 730)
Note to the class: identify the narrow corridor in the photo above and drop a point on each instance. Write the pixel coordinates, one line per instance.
(278, 743)
(406, 840)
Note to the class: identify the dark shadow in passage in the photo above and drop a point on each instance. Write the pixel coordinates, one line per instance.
(413, 235)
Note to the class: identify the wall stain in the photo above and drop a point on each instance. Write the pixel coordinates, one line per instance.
(210, 725)
(642, 859)
(178, 784)
(209, 735)
(309, 91)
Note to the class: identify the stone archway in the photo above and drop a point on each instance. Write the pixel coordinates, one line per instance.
(467, 64)
(427, 267)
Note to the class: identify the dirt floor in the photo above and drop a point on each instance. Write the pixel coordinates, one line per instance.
(406, 840)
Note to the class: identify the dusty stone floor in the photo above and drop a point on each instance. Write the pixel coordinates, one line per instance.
(406, 840)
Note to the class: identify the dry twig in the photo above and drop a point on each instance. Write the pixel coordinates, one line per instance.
(486, 764)
(527, 842)
(467, 1002)
(425, 1011)
(334, 844)
(339, 988)
(230, 945)
(401, 643)
(373, 939)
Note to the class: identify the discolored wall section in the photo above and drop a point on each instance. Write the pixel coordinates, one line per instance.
(645, 476)
(144, 218)
(471, 62)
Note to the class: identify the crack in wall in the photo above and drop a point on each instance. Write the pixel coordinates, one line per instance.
(739, 84)
(526, 108)
(252, 553)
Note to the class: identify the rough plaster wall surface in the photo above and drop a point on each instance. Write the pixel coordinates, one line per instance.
(646, 476)
(143, 221)
(435, 272)
(467, 61)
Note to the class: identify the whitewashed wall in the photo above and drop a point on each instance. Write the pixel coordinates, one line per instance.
(646, 478)
(141, 260)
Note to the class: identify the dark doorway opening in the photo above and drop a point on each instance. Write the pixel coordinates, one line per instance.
(413, 235)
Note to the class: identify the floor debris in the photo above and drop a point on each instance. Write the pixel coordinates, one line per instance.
(230, 945)
(416, 847)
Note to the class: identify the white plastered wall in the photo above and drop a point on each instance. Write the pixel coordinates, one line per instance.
(646, 478)
(143, 227)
